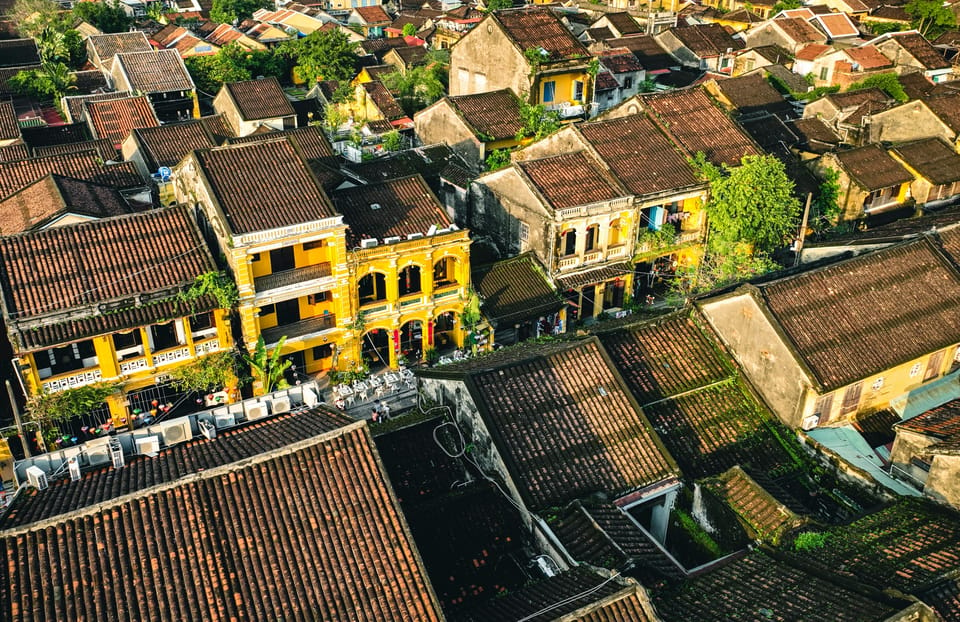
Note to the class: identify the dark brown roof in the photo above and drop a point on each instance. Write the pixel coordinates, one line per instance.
(38, 203)
(647, 50)
(395, 208)
(86, 165)
(852, 99)
(411, 55)
(18, 52)
(89, 81)
(218, 127)
(514, 289)
(872, 168)
(259, 99)
(109, 45)
(115, 118)
(706, 39)
(863, 316)
(264, 185)
(951, 243)
(921, 49)
(105, 148)
(345, 551)
(695, 121)
(800, 30)
(539, 28)
(570, 179)
(932, 158)
(770, 132)
(75, 103)
(529, 603)
(942, 422)
(9, 127)
(384, 101)
(155, 72)
(16, 151)
(373, 15)
(624, 23)
(814, 134)
(6, 74)
(605, 81)
(166, 145)
(752, 94)
(495, 114)
(310, 140)
(620, 60)
(918, 86)
(767, 518)
(600, 33)
(753, 587)
(55, 135)
(773, 53)
(639, 155)
(564, 423)
(52, 270)
(947, 108)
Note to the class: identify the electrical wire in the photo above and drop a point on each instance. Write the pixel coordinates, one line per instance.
(570, 599)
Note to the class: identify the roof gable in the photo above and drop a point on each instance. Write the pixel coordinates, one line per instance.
(872, 168)
(113, 119)
(54, 195)
(259, 99)
(932, 158)
(394, 208)
(539, 29)
(166, 145)
(495, 114)
(515, 288)
(155, 72)
(570, 179)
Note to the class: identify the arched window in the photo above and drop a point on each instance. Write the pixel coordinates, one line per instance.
(592, 241)
(409, 280)
(445, 272)
(614, 233)
(372, 288)
(568, 242)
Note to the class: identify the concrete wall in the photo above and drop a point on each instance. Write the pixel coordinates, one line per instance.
(501, 200)
(440, 123)
(475, 69)
(943, 482)
(911, 121)
(766, 360)
(907, 445)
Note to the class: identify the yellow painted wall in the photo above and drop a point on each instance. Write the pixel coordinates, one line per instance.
(564, 87)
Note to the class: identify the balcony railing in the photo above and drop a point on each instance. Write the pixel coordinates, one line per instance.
(447, 290)
(73, 380)
(132, 366)
(288, 278)
(165, 357)
(687, 236)
(410, 302)
(300, 329)
(568, 262)
(593, 256)
(206, 347)
(615, 252)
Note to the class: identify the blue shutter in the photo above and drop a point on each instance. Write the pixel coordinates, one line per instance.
(657, 216)
(549, 91)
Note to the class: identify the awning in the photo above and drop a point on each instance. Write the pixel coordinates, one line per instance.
(595, 275)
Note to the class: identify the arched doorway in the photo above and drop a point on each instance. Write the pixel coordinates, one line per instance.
(375, 348)
(372, 288)
(444, 332)
(411, 340)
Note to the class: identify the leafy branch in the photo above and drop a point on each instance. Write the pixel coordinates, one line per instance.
(216, 284)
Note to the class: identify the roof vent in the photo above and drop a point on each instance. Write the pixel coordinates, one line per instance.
(374, 206)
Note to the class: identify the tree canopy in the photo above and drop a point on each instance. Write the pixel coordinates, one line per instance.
(418, 87)
(930, 16)
(889, 83)
(233, 64)
(232, 11)
(322, 55)
(107, 16)
(496, 5)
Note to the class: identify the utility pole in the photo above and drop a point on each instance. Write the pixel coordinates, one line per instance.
(803, 230)
(16, 419)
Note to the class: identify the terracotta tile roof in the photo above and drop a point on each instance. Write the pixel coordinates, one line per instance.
(837, 25)
(620, 60)
(241, 176)
(373, 15)
(876, 427)
(869, 57)
(495, 114)
(528, 601)
(16, 151)
(605, 82)
(85, 165)
(218, 127)
(909, 546)
(753, 94)
(54, 195)
(951, 243)
(706, 40)
(947, 108)
(601, 33)
(812, 51)
(647, 50)
(155, 72)
(800, 30)
(433, 162)
(89, 81)
(115, 118)
(901, 289)
(565, 425)
(773, 53)
(104, 148)
(570, 179)
(9, 127)
(942, 422)
(75, 103)
(918, 86)
(742, 16)
(601, 534)
(932, 158)
(814, 134)
(404, 206)
(384, 101)
(872, 168)
(55, 135)
(109, 45)
(770, 132)
(337, 560)
(310, 140)
(944, 599)
(166, 145)
(18, 52)
(411, 55)
(50, 271)
(921, 49)
(767, 518)
(259, 99)
(514, 289)
(756, 584)
(623, 22)
(639, 155)
(539, 28)
(698, 125)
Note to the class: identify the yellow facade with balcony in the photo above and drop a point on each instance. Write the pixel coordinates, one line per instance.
(670, 240)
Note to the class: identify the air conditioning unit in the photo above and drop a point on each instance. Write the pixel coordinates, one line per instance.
(393, 239)
(207, 429)
(369, 243)
(37, 478)
(223, 418)
(810, 422)
(148, 445)
(116, 454)
(98, 451)
(177, 431)
(310, 398)
(280, 405)
(73, 465)
(255, 410)
(432, 230)
(414, 236)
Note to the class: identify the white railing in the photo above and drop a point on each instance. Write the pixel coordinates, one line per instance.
(171, 356)
(248, 239)
(206, 347)
(593, 256)
(131, 366)
(73, 381)
(615, 252)
(568, 262)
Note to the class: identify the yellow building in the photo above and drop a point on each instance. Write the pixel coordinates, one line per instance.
(871, 181)
(108, 301)
(829, 343)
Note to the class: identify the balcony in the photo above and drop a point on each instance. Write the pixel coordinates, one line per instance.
(445, 290)
(72, 380)
(206, 347)
(593, 256)
(290, 278)
(172, 355)
(566, 110)
(300, 329)
(687, 236)
(616, 252)
(411, 301)
(132, 366)
(570, 261)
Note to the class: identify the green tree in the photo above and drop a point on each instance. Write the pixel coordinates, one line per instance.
(537, 121)
(233, 11)
(210, 373)
(268, 368)
(322, 55)
(889, 83)
(107, 16)
(930, 17)
(49, 409)
(497, 159)
(826, 207)
(496, 5)
(417, 88)
(48, 83)
(786, 5)
(234, 63)
(409, 30)
(33, 16)
(751, 204)
(392, 141)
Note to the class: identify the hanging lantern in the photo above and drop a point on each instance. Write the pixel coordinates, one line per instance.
(155, 403)
(137, 411)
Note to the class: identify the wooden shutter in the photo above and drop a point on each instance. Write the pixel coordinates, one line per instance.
(933, 366)
(851, 399)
